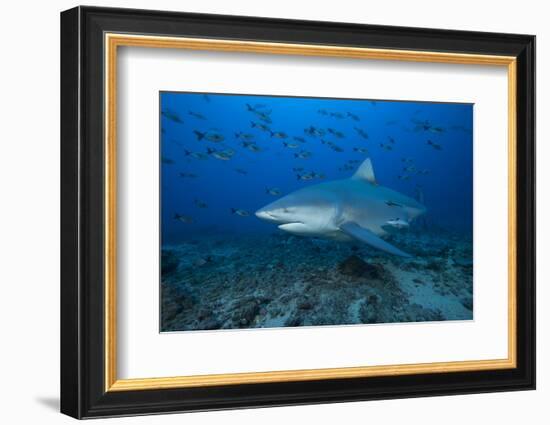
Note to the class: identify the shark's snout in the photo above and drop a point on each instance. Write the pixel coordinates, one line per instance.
(264, 214)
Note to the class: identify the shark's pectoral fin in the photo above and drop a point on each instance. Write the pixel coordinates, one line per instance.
(364, 235)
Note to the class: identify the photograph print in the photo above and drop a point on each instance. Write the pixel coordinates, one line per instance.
(284, 211)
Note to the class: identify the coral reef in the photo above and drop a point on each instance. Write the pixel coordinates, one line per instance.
(259, 281)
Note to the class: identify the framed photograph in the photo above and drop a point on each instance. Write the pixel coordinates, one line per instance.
(261, 212)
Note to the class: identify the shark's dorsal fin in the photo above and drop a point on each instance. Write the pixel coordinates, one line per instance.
(365, 172)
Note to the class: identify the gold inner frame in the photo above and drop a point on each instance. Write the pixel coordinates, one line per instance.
(113, 41)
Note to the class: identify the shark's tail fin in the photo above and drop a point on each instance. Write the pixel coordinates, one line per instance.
(199, 135)
(187, 153)
(233, 210)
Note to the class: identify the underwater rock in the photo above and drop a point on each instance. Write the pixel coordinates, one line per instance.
(436, 266)
(210, 324)
(169, 261)
(356, 267)
(261, 281)
(467, 302)
(463, 262)
(175, 301)
(245, 315)
(304, 304)
(417, 313)
(204, 314)
(296, 319)
(246, 310)
(371, 312)
(285, 299)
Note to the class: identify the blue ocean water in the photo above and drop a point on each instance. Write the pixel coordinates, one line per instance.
(226, 156)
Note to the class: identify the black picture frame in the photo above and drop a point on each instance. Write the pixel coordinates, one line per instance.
(83, 392)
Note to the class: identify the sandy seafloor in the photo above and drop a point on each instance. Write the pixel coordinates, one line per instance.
(280, 280)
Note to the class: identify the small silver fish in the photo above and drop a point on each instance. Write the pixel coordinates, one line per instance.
(308, 176)
(303, 155)
(183, 218)
(251, 146)
(196, 155)
(361, 132)
(291, 145)
(361, 150)
(398, 223)
(197, 115)
(314, 132)
(200, 204)
(265, 118)
(434, 145)
(260, 126)
(172, 116)
(273, 191)
(211, 136)
(336, 133)
(353, 116)
(244, 136)
(242, 213)
(279, 134)
(225, 155)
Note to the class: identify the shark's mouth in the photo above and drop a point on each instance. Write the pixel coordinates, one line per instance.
(294, 227)
(268, 216)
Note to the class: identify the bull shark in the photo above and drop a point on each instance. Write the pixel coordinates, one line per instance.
(357, 208)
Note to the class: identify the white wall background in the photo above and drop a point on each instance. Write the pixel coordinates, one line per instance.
(29, 213)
